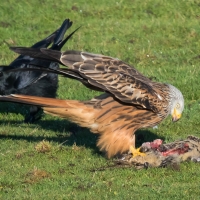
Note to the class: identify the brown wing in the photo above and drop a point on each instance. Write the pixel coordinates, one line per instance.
(106, 73)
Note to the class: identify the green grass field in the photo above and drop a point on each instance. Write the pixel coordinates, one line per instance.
(160, 38)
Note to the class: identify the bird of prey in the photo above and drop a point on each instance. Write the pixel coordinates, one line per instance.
(37, 83)
(130, 100)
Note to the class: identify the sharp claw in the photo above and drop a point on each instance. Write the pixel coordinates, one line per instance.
(136, 152)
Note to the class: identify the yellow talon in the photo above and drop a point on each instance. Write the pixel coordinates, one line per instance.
(136, 152)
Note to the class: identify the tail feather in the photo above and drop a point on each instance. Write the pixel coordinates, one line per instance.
(73, 110)
(35, 53)
(60, 35)
(61, 44)
(34, 100)
(58, 43)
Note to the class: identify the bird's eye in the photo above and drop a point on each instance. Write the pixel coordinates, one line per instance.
(178, 106)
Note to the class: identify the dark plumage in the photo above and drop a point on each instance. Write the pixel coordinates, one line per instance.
(37, 83)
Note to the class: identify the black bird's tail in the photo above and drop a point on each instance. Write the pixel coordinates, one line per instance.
(56, 38)
(59, 42)
(18, 79)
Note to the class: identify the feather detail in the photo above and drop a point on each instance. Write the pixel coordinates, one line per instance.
(106, 74)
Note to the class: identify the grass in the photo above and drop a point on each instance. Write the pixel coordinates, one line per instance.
(160, 38)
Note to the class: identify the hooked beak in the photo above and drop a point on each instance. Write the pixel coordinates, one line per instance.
(175, 116)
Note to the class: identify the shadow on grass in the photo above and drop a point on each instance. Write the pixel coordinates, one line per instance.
(67, 134)
(12, 107)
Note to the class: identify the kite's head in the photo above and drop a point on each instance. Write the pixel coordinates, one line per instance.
(176, 103)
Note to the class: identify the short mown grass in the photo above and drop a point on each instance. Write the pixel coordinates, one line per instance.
(160, 38)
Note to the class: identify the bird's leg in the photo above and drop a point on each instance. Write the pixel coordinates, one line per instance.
(134, 151)
(34, 114)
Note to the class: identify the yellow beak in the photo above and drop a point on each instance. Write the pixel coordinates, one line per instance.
(175, 116)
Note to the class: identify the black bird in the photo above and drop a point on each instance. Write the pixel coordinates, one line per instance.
(37, 83)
